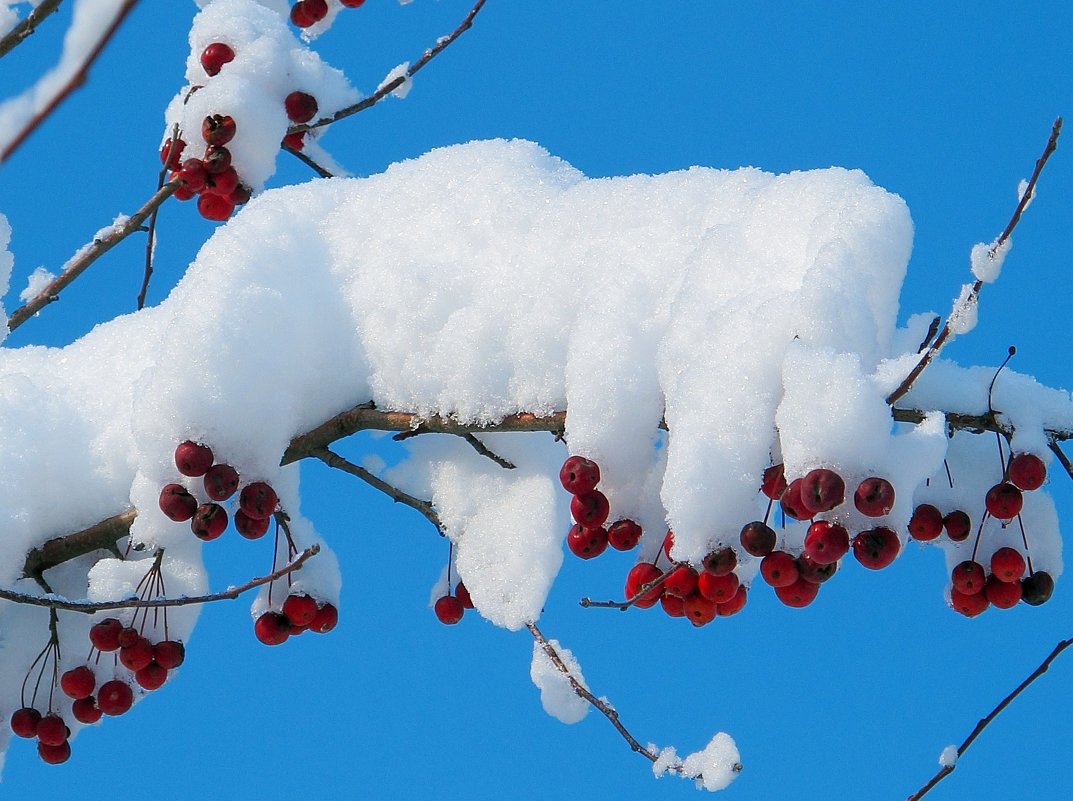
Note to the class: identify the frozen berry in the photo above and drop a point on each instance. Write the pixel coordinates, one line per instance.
(586, 542)
(215, 56)
(957, 525)
(177, 503)
(214, 207)
(217, 160)
(449, 610)
(773, 483)
(24, 721)
(1036, 589)
(325, 620)
(673, 605)
(169, 654)
(791, 503)
(128, 635)
(735, 604)
(681, 582)
(822, 490)
(85, 710)
(78, 682)
(172, 156)
(590, 509)
(826, 542)
(193, 175)
(301, 107)
(221, 481)
(717, 588)
(623, 535)
(462, 594)
(218, 129)
(1027, 471)
(210, 521)
(700, 610)
(779, 569)
(799, 594)
(1004, 501)
(135, 657)
(811, 570)
(579, 475)
(151, 677)
(641, 574)
(874, 497)
(1007, 565)
(272, 628)
(115, 697)
(248, 527)
(876, 548)
(721, 561)
(258, 500)
(1002, 594)
(926, 523)
(758, 538)
(54, 754)
(300, 609)
(968, 577)
(105, 634)
(968, 605)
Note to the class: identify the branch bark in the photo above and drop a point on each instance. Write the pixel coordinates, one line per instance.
(21, 32)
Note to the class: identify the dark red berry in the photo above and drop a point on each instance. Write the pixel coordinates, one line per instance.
(135, 657)
(85, 710)
(721, 561)
(52, 730)
(249, 528)
(874, 497)
(115, 697)
(826, 542)
(811, 570)
(791, 503)
(1036, 589)
(299, 15)
(717, 588)
(240, 195)
(301, 107)
(579, 475)
(169, 654)
(217, 160)
(170, 157)
(1002, 594)
(1004, 501)
(54, 754)
(177, 503)
(968, 605)
(673, 605)
(78, 682)
(325, 620)
(1027, 471)
(24, 721)
(316, 9)
(876, 548)
(623, 535)
(128, 636)
(272, 628)
(585, 541)
(641, 574)
(151, 677)
(462, 594)
(926, 523)
(193, 175)
(700, 610)
(449, 610)
(221, 481)
(758, 538)
(210, 521)
(258, 500)
(1007, 565)
(773, 483)
(968, 577)
(822, 490)
(300, 610)
(682, 581)
(799, 594)
(779, 569)
(735, 604)
(215, 56)
(105, 634)
(591, 509)
(218, 129)
(214, 207)
(957, 525)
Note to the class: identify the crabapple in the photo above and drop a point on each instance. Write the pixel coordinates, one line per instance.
(779, 569)
(792, 505)
(1036, 588)
(699, 609)
(585, 541)
(720, 561)
(210, 521)
(169, 654)
(221, 480)
(218, 129)
(735, 604)
(1007, 565)
(758, 538)
(85, 710)
(876, 548)
(1002, 594)
(623, 535)
(215, 56)
(24, 721)
(926, 523)
(681, 582)
(52, 730)
(171, 157)
(579, 475)
(449, 610)
(299, 609)
(325, 620)
(78, 682)
(1004, 501)
(874, 497)
(822, 490)
(115, 697)
(826, 542)
(105, 634)
(301, 107)
(798, 594)
(214, 207)
(968, 605)
(151, 677)
(590, 509)
(773, 484)
(258, 500)
(673, 605)
(462, 594)
(177, 503)
(718, 588)
(641, 574)
(957, 525)
(968, 577)
(811, 570)
(135, 657)
(250, 528)
(54, 754)
(1027, 471)
(272, 628)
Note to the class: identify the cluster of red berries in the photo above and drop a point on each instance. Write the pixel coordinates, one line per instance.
(450, 608)
(590, 509)
(300, 613)
(257, 501)
(309, 12)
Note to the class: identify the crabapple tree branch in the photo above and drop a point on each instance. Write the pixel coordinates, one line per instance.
(89, 254)
(946, 770)
(21, 32)
(75, 82)
(89, 607)
(389, 87)
(944, 334)
(305, 159)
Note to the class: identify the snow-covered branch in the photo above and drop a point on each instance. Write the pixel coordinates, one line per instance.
(27, 25)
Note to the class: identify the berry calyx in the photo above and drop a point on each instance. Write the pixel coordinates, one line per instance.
(177, 503)
(968, 577)
(957, 525)
(826, 542)
(876, 548)
(115, 697)
(579, 475)
(721, 561)
(822, 490)
(301, 107)
(1036, 588)
(78, 682)
(272, 628)
(24, 721)
(258, 500)
(1004, 501)
(623, 535)
(215, 56)
(773, 483)
(926, 523)
(221, 480)
(641, 574)
(586, 542)
(300, 610)
(757, 538)
(209, 522)
(1007, 565)
(591, 509)
(325, 620)
(779, 569)
(1027, 472)
(449, 610)
(874, 497)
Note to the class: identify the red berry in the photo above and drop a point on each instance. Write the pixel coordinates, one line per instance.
(462, 594)
(791, 503)
(325, 619)
(78, 682)
(586, 542)
(177, 503)
(623, 535)
(352, 3)
(799, 594)
(218, 129)
(300, 610)
(215, 56)
(301, 107)
(449, 610)
(968, 605)
(184, 192)
(668, 543)
(214, 207)
(193, 175)
(299, 15)
(115, 697)
(52, 730)
(579, 475)
(957, 525)
(699, 610)
(217, 160)
(1007, 565)
(248, 527)
(172, 158)
(822, 490)
(874, 497)
(169, 654)
(1002, 594)
(968, 577)
(1004, 501)
(735, 604)
(151, 677)
(779, 569)
(272, 628)
(721, 561)
(105, 634)
(876, 548)
(758, 538)
(1036, 589)
(681, 582)
(54, 754)
(210, 521)
(719, 589)
(316, 9)
(591, 509)
(128, 636)
(773, 483)
(295, 141)
(24, 721)
(135, 657)
(85, 710)
(240, 195)
(221, 480)
(826, 542)
(258, 500)
(926, 523)
(641, 574)
(673, 605)
(222, 184)
(1027, 471)
(811, 570)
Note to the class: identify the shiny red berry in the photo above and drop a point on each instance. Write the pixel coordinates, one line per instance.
(957, 525)
(300, 610)
(325, 620)
(221, 481)
(169, 654)
(177, 503)
(874, 497)
(209, 521)
(623, 535)
(301, 107)
(258, 500)
(758, 538)
(1027, 471)
(773, 484)
(449, 610)
(826, 542)
(641, 574)
(968, 577)
(822, 490)
(24, 721)
(78, 682)
(876, 548)
(779, 569)
(215, 56)
(115, 697)
(586, 542)
(1004, 501)
(1007, 565)
(721, 561)
(926, 523)
(272, 628)
(579, 475)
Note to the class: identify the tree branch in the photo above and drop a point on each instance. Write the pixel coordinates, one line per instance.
(89, 254)
(937, 345)
(89, 607)
(21, 32)
(309, 162)
(389, 87)
(100, 536)
(946, 770)
(75, 81)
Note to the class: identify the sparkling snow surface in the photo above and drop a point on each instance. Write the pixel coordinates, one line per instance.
(558, 697)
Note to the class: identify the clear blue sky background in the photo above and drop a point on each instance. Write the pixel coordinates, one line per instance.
(947, 104)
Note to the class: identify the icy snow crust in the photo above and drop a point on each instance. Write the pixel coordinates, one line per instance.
(755, 313)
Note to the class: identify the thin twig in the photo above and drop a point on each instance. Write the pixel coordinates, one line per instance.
(339, 463)
(483, 450)
(946, 770)
(76, 81)
(97, 248)
(1060, 454)
(624, 605)
(21, 32)
(150, 239)
(389, 87)
(89, 607)
(1026, 197)
(308, 161)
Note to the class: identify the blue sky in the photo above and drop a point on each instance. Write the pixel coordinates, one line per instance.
(946, 104)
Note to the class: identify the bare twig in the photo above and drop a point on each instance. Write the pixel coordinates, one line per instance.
(76, 81)
(21, 32)
(389, 87)
(483, 450)
(338, 462)
(150, 239)
(97, 248)
(1060, 454)
(944, 334)
(622, 606)
(89, 607)
(308, 161)
(946, 770)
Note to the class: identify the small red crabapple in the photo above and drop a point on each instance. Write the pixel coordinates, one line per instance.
(115, 697)
(217, 160)
(249, 527)
(54, 754)
(449, 610)
(214, 207)
(1007, 565)
(721, 561)
(799, 594)
(209, 522)
(586, 542)
(876, 548)
(641, 574)
(957, 525)
(926, 523)
(719, 589)
(1027, 471)
(822, 490)
(295, 141)
(240, 195)
(779, 569)
(128, 635)
(299, 16)
(968, 577)
(968, 605)
(826, 542)
(215, 56)
(177, 503)
(1004, 501)
(1036, 589)
(301, 107)
(272, 628)
(1002, 594)
(105, 634)
(735, 604)
(579, 475)
(24, 721)
(623, 535)
(673, 605)
(170, 157)
(462, 594)
(773, 484)
(221, 480)
(151, 677)
(874, 497)
(700, 610)
(52, 730)
(222, 184)
(169, 654)
(300, 609)
(258, 500)
(758, 538)
(135, 657)
(316, 9)
(813, 571)
(590, 509)
(325, 620)
(792, 504)
(78, 682)
(85, 710)
(681, 582)
(184, 192)
(218, 129)
(194, 175)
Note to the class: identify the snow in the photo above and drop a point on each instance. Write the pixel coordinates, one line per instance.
(987, 259)
(556, 694)
(403, 88)
(7, 261)
(38, 280)
(717, 765)
(949, 757)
